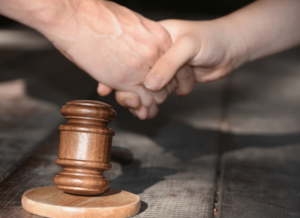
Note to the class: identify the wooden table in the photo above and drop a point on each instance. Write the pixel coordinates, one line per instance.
(230, 149)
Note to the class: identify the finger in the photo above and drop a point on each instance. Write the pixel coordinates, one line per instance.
(145, 113)
(144, 94)
(103, 90)
(152, 111)
(186, 80)
(142, 113)
(172, 86)
(212, 76)
(161, 96)
(128, 99)
(166, 66)
(199, 73)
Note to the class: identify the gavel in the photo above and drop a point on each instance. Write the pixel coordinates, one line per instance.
(84, 153)
(85, 147)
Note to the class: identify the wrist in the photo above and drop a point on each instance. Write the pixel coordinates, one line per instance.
(50, 17)
(233, 40)
(34, 14)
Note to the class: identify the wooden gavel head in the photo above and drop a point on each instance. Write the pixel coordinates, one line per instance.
(85, 147)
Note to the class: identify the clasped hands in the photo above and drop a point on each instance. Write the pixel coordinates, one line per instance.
(143, 60)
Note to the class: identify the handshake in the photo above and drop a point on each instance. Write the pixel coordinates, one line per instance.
(142, 60)
(145, 61)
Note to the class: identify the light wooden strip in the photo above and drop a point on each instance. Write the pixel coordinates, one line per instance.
(173, 170)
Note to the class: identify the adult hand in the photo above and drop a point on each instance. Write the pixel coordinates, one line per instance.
(132, 101)
(117, 47)
(113, 44)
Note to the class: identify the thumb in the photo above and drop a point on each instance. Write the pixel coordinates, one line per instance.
(167, 65)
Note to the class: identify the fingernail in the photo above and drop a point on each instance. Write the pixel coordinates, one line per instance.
(153, 82)
(128, 102)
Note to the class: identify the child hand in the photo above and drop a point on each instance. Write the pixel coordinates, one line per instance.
(133, 102)
(205, 46)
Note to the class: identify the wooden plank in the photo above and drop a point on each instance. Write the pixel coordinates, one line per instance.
(175, 155)
(30, 109)
(174, 164)
(24, 123)
(260, 174)
(38, 170)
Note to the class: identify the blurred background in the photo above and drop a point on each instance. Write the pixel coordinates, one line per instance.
(214, 7)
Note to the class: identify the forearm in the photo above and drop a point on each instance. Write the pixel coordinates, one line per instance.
(266, 27)
(38, 14)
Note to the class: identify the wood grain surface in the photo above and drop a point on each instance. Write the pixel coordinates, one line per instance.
(20, 133)
(170, 179)
(170, 162)
(260, 171)
(50, 201)
(175, 156)
(85, 147)
(180, 163)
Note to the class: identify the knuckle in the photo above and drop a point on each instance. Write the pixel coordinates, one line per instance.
(135, 64)
(119, 77)
(151, 54)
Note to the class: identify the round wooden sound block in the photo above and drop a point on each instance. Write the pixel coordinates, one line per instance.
(52, 202)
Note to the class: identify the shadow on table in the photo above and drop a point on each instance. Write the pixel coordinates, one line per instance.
(136, 179)
(187, 142)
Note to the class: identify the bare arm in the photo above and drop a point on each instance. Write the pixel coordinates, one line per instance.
(214, 48)
(113, 44)
(267, 26)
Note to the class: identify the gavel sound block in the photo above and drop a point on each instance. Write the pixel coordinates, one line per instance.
(84, 154)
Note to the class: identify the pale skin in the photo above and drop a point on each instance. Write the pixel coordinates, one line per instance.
(210, 50)
(128, 52)
(111, 43)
